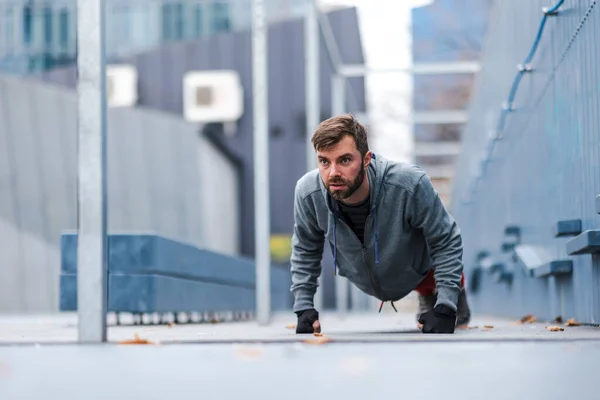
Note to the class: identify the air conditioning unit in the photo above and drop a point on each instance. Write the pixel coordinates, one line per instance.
(121, 85)
(213, 96)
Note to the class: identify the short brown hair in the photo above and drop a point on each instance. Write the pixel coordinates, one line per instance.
(331, 131)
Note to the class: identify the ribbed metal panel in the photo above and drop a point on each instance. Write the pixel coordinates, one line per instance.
(546, 165)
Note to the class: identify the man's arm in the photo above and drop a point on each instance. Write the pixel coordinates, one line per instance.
(307, 252)
(427, 212)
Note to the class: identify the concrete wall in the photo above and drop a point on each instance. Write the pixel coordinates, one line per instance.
(545, 167)
(156, 179)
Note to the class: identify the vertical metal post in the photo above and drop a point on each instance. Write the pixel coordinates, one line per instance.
(92, 241)
(338, 106)
(338, 95)
(312, 95)
(261, 162)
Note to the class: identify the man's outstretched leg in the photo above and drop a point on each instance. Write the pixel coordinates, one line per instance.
(427, 294)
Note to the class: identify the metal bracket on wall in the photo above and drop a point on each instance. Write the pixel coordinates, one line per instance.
(598, 204)
(501, 273)
(553, 268)
(571, 227)
(512, 230)
(513, 234)
(587, 242)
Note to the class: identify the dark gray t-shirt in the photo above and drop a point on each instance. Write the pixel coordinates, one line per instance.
(356, 216)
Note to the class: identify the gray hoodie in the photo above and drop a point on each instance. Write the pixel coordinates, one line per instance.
(408, 232)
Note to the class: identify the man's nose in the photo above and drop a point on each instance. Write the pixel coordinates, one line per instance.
(333, 171)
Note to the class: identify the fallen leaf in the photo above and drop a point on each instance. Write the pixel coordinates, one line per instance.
(318, 340)
(318, 334)
(528, 319)
(488, 326)
(558, 320)
(171, 324)
(555, 328)
(136, 340)
(572, 322)
(291, 326)
(248, 352)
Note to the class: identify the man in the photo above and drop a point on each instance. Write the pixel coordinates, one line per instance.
(387, 228)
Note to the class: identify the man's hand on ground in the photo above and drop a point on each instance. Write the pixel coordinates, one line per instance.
(442, 319)
(308, 321)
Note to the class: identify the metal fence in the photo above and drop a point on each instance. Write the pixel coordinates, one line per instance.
(159, 177)
(531, 158)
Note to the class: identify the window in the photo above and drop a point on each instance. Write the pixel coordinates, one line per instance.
(63, 23)
(221, 21)
(27, 25)
(179, 21)
(436, 160)
(166, 22)
(48, 26)
(198, 22)
(438, 132)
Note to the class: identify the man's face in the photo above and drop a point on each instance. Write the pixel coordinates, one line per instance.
(342, 169)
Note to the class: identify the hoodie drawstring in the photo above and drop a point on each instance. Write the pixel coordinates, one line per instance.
(334, 247)
(377, 255)
(376, 238)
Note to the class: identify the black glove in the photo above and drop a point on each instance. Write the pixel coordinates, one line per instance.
(442, 319)
(306, 318)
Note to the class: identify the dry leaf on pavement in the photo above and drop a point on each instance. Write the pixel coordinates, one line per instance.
(290, 326)
(528, 319)
(248, 352)
(136, 340)
(572, 322)
(318, 341)
(488, 326)
(555, 328)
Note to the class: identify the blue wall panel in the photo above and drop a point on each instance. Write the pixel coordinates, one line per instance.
(538, 165)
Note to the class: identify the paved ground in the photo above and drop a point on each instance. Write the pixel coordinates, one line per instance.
(374, 356)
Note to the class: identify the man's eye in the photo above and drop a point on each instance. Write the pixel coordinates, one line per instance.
(324, 162)
(346, 160)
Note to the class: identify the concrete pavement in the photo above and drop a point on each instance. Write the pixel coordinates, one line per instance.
(365, 356)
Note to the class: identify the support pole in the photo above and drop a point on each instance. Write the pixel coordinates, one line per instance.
(338, 107)
(92, 241)
(313, 96)
(261, 163)
(338, 95)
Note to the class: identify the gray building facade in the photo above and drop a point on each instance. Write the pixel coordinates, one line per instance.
(160, 74)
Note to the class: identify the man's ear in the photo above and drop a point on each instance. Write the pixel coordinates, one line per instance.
(367, 160)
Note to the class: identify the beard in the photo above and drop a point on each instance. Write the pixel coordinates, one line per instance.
(351, 186)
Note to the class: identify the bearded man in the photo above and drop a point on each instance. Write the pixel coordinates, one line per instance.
(387, 228)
